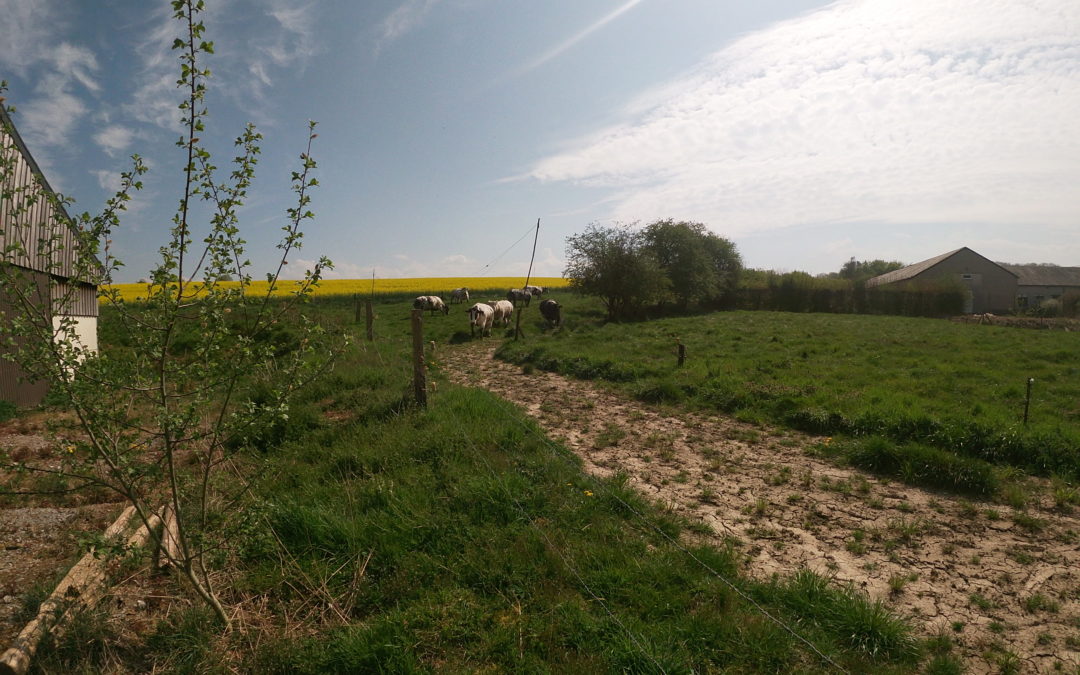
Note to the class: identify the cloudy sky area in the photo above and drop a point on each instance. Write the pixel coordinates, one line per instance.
(807, 132)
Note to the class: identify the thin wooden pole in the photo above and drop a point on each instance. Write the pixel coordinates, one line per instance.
(419, 376)
(370, 317)
(1027, 399)
(528, 276)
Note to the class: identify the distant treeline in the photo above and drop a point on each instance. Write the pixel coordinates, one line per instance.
(801, 292)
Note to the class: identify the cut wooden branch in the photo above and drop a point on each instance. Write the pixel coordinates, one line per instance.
(170, 545)
(83, 586)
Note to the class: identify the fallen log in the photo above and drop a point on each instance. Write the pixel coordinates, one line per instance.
(81, 588)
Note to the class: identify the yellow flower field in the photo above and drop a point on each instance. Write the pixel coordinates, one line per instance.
(419, 286)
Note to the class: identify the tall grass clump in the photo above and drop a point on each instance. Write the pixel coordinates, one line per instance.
(922, 465)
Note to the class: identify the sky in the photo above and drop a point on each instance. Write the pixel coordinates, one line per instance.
(807, 132)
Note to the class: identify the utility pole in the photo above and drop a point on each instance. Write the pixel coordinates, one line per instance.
(517, 324)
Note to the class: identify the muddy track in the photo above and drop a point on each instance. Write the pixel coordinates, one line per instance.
(995, 579)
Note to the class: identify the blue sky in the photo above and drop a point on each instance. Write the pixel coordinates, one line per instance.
(807, 132)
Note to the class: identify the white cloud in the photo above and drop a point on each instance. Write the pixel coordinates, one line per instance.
(27, 29)
(579, 36)
(108, 180)
(406, 17)
(888, 110)
(114, 139)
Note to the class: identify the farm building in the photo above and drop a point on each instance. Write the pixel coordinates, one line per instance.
(990, 286)
(37, 238)
(1037, 283)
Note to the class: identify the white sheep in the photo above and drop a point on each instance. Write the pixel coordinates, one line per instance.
(480, 315)
(459, 294)
(536, 291)
(504, 309)
(516, 295)
(432, 303)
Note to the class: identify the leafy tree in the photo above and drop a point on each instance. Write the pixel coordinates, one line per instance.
(162, 414)
(614, 264)
(861, 270)
(700, 265)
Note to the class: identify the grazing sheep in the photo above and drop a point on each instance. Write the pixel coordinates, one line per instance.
(517, 295)
(430, 303)
(536, 291)
(480, 315)
(459, 294)
(504, 309)
(552, 312)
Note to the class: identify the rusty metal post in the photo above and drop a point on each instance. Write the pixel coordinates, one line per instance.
(370, 321)
(419, 374)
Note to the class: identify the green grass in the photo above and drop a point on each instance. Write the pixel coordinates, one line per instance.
(956, 387)
(382, 537)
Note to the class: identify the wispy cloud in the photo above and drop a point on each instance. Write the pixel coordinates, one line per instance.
(579, 36)
(114, 139)
(50, 115)
(890, 111)
(27, 29)
(406, 17)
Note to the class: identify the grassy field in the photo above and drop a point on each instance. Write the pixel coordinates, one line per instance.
(380, 537)
(364, 287)
(953, 387)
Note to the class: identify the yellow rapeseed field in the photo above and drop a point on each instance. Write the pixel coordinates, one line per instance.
(419, 286)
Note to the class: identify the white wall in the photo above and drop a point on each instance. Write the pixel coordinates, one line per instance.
(85, 331)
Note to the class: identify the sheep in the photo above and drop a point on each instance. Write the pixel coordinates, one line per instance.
(536, 291)
(552, 312)
(480, 315)
(459, 294)
(517, 295)
(430, 303)
(504, 309)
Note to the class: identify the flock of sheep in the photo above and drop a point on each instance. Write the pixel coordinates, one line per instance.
(484, 315)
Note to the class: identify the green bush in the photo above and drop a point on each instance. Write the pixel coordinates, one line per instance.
(7, 410)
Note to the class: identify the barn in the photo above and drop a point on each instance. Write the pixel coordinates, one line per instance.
(38, 246)
(1038, 283)
(990, 286)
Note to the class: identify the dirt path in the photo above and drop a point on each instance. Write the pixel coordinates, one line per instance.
(1004, 584)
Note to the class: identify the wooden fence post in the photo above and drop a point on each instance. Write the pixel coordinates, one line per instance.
(682, 351)
(370, 321)
(419, 376)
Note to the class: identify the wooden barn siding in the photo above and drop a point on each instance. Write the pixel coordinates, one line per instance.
(39, 219)
(13, 386)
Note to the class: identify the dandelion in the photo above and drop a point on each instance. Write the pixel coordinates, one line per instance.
(828, 440)
(70, 449)
(588, 493)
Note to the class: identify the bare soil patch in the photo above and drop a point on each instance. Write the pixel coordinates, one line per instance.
(1003, 583)
(39, 534)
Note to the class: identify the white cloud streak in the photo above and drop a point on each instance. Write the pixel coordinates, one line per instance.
(887, 111)
(578, 37)
(409, 15)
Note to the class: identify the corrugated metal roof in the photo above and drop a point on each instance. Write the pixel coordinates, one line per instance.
(905, 273)
(1044, 275)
